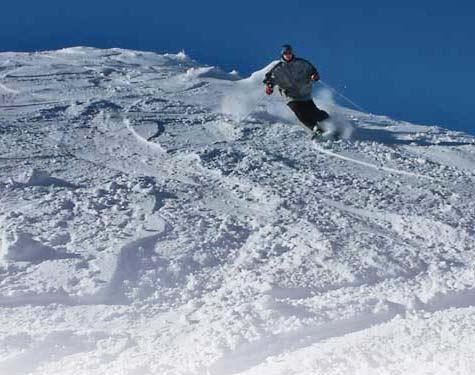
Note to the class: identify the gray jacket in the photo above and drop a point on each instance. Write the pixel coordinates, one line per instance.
(292, 78)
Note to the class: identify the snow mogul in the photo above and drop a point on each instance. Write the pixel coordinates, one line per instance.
(294, 77)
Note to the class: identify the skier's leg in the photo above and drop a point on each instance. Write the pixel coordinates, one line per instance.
(304, 113)
(322, 115)
(308, 113)
(318, 114)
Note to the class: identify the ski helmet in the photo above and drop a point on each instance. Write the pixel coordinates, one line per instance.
(287, 53)
(286, 48)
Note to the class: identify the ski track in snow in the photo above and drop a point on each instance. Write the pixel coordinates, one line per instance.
(145, 231)
(369, 165)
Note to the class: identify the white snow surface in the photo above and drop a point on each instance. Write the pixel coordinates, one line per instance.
(229, 243)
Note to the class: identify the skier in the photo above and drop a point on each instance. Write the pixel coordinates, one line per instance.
(294, 77)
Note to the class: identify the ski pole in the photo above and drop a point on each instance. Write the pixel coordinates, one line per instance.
(343, 96)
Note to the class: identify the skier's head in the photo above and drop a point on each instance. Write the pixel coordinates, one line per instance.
(287, 52)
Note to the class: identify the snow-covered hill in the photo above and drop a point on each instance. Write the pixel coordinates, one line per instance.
(229, 243)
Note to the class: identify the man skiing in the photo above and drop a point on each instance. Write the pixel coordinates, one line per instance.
(294, 77)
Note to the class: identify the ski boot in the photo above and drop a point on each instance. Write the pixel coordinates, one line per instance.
(317, 133)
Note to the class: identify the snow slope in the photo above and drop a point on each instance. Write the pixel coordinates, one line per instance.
(229, 243)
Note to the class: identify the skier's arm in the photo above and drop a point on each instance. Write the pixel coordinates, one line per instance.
(314, 75)
(313, 72)
(269, 78)
(269, 82)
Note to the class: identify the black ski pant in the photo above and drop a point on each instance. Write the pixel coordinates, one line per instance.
(308, 113)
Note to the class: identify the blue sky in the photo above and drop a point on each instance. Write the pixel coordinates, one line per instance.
(412, 60)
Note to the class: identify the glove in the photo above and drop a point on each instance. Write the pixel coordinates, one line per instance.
(269, 90)
(315, 77)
